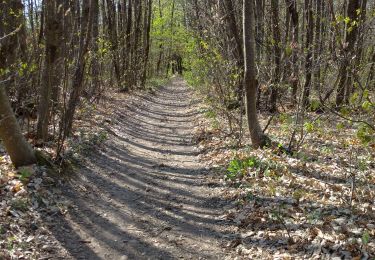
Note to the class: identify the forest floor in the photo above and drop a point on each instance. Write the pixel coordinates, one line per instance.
(155, 176)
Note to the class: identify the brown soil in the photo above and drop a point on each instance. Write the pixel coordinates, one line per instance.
(145, 194)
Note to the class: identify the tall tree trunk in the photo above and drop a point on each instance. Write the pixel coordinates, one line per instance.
(277, 54)
(309, 55)
(161, 48)
(146, 46)
(345, 78)
(257, 136)
(129, 53)
(137, 51)
(238, 50)
(11, 21)
(77, 83)
(95, 67)
(19, 150)
(292, 9)
(52, 26)
(317, 45)
(112, 30)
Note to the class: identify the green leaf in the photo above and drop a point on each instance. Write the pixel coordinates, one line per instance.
(354, 98)
(365, 237)
(309, 127)
(367, 105)
(365, 134)
(288, 51)
(315, 104)
(340, 126)
(344, 111)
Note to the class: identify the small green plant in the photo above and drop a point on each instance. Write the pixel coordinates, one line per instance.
(365, 134)
(314, 105)
(24, 175)
(210, 114)
(298, 194)
(327, 150)
(272, 189)
(365, 238)
(10, 242)
(239, 168)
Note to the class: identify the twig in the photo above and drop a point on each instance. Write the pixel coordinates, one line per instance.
(11, 34)
(349, 119)
(300, 142)
(352, 175)
(268, 123)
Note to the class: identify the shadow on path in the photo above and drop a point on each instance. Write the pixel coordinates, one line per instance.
(143, 196)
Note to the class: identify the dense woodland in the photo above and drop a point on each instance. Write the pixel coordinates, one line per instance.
(284, 76)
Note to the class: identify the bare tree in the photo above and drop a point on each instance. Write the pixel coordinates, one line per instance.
(53, 18)
(257, 136)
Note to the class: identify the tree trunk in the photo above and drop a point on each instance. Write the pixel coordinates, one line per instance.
(52, 34)
(112, 30)
(277, 54)
(161, 47)
(292, 9)
(345, 68)
(257, 136)
(146, 46)
(317, 47)
(238, 50)
(95, 65)
(11, 19)
(77, 83)
(309, 56)
(19, 150)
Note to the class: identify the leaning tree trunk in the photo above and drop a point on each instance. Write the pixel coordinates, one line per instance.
(19, 150)
(11, 20)
(258, 138)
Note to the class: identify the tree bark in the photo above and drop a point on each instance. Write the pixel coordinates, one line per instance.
(238, 50)
(309, 55)
(11, 18)
(77, 83)
(146, 46)
(292, 9)
(345, 68)
(112, 30)
(19, 150)
(277, 54)
(52, 34)
(257, 136)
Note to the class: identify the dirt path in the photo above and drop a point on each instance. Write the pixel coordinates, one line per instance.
(144, 195)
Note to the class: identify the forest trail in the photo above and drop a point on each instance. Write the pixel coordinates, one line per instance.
(144, 196)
